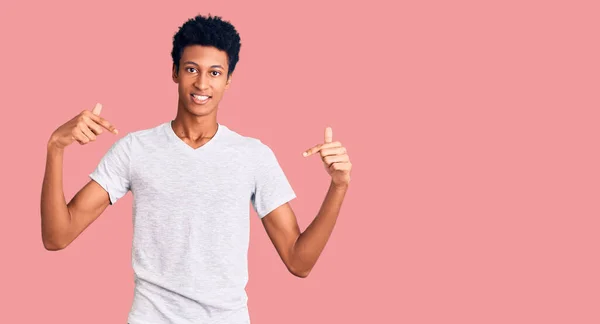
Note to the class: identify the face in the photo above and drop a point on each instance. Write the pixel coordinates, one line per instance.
(202, 79)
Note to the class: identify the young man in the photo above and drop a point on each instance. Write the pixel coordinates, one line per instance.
(192, 179)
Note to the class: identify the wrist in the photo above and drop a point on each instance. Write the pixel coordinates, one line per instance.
(340, 186)
(53, 146)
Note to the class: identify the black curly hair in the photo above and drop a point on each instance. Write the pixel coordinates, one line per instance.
(208, 31)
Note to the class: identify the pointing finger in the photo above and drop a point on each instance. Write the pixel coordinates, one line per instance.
(104, 123)
(312, 150)
(319, 147)
(333, 151)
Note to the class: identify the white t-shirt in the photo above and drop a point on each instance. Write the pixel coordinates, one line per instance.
(191, 225)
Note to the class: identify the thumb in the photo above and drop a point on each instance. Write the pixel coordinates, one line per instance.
(96, 111)
(328, 135)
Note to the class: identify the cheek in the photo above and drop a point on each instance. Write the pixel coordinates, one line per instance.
(219, 87)
(181, 89)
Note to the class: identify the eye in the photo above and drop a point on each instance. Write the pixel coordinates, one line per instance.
(215, 73)
(190, 68)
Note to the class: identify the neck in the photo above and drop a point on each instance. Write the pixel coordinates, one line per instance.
(195, 128)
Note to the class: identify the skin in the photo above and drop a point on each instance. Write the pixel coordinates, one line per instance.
(204, 71)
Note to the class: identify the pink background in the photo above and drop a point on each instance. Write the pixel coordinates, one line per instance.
(472, 129)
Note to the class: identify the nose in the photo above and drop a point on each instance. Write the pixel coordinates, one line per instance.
(201, 81)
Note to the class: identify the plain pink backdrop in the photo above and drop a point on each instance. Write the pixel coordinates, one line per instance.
(471, 125)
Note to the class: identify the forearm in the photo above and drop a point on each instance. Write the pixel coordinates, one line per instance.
(312, 241)
(54, 210)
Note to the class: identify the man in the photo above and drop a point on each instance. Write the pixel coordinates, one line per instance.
(192, 179)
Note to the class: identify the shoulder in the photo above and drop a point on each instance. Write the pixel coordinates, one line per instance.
(138, 138)
(147, 134)
(248, 144)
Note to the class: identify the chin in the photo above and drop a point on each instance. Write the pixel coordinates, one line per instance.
(200, 110)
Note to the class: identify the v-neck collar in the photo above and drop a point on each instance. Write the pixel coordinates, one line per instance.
(187, 148)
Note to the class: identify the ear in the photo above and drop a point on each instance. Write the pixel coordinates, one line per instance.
(174, 74)
(228, 83)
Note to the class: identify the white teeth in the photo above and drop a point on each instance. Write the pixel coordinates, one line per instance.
(201, 97)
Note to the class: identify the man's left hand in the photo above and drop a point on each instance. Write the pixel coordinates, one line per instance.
(335, 159)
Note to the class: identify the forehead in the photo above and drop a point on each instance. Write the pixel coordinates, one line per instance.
(204, 55)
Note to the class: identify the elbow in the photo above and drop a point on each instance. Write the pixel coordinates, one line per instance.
(50, 245)
(300, 273)
(55, 239)
(53, 247)
(298, 264)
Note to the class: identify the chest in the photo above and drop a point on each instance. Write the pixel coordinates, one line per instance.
(207, 183)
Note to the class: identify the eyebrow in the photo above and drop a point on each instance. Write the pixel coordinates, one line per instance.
(196, 64)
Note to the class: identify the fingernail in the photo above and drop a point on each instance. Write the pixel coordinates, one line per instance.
(116, 131)
(304, 154)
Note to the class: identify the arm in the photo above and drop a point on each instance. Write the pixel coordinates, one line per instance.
(62, 222)
(300, 251)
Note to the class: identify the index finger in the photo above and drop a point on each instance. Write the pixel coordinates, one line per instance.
(104, 123)
(312, 150)
(328, 135)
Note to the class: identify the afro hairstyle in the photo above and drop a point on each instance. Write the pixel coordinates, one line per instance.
(208, 31)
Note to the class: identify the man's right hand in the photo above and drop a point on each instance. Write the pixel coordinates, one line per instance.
(83, 128)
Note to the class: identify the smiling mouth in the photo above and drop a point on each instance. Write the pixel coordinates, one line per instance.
(200, 99)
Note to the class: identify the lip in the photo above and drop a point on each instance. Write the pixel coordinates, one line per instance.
(200, 102)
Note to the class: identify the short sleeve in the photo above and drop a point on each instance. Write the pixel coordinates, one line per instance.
(112, 172)
(271, 187)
